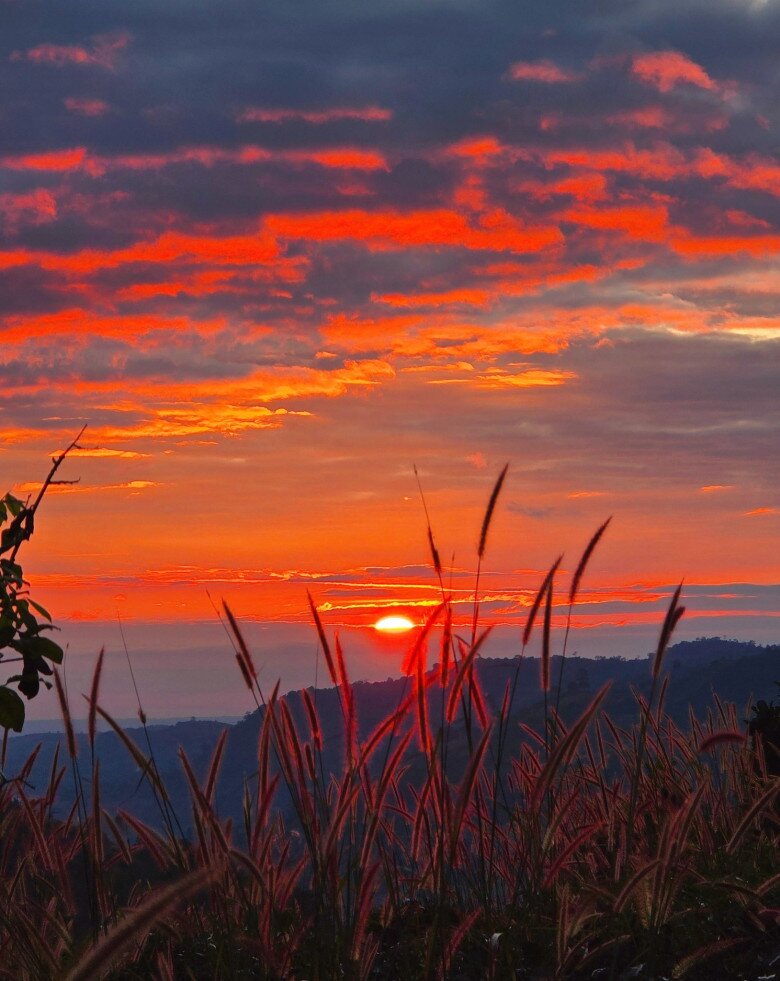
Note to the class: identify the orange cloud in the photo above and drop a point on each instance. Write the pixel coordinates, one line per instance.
(182, 410)
(104, 452)
(366, 114)
(532, 378)
(541, 71)
(32, 487)
(496, 230)
(665, 70)
(456, 297)
(761, 512)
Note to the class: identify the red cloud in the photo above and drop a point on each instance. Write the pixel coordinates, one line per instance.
(366, 114)
(35, 208)
(346, 158)
(53, 160)
(335, 157)
(476, 148)
(454, 297)
(541, 71)
(102, 53)
(649, 223)
(661, 117)
(86, 107)
(665, 70)
(496, 230)
(223, 250)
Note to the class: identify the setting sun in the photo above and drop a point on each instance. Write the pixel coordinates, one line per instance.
(394, 625)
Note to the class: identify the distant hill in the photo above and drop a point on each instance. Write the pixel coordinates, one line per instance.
(737, 672)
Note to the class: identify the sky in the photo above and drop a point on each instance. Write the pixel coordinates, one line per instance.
(275, 255)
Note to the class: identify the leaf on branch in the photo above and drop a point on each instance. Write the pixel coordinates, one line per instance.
(11, 710)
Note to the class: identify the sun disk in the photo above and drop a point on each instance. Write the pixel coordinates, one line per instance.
(394, 625)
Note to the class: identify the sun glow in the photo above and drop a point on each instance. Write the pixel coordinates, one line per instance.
(394, 625)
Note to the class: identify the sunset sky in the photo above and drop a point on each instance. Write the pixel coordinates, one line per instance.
(274, 254)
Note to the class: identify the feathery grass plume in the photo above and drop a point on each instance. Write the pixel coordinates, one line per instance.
(203, 803)
(752, 813)
(683, 966)
(215, 766)
(546, 638)
(96, 830)
(724, 736)
(456, 939)
(462, 673)
(323, 640)
(243, 654)
(565, 748)
(154, 843)
(423, 732)
(119, 838)
(540, 595)
(418, 649)
(93, 697)
(144, 764)
(435, 557)
(366, 893)
(476, 697)
(264, 744)
(563, 858)
(466, 787)
(136, 925)
(347, 697)
(388, 724)
(66, 716)
(444, 647)
(491, 506)
(37, 829)
(314, 720)
(673, 615)
(589, 548)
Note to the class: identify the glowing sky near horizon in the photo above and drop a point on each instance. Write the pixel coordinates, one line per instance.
(274, 254)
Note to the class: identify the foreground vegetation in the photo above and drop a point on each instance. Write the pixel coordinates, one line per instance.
(450, 843)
